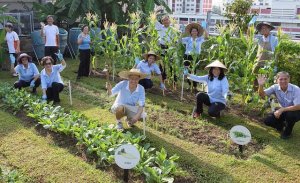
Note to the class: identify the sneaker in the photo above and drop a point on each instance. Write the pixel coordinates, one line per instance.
(196, 115)
(15, 75)
(119, 126)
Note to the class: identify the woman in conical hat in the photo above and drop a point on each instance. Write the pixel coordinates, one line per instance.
(130, 97)
(197, 35)
(217, 89)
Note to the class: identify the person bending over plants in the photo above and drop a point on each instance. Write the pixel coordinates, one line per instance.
(130, 93)
(193, 44)
(218, 88)
(288, 96)
(147, 66)
(52, 83)
(28, 73)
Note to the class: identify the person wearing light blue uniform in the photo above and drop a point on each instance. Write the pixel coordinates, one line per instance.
(84, 41)
(130, 99)
(52, 83)
(193, 44)
(218, 88)
(28, 73)
(148, 66)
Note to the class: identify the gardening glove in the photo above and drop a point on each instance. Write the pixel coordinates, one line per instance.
(59, 56)
(44, 98)
(32, 84)
(162, 86)
(185, 71)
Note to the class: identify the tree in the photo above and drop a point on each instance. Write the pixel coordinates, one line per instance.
(113, 10)
(238, 12)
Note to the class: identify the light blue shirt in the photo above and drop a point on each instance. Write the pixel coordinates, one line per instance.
(27, 74)
(85, 45)
(47, 80)
(192, 46)
(216, 89)
(271, 39)
(146, 69)
(289, 98)
(125, 97)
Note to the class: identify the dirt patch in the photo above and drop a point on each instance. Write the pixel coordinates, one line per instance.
(214, 137)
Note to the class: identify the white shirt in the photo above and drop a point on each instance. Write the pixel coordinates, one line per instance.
(165, 33)
(12, 38)
(50, 32)
(146, 69)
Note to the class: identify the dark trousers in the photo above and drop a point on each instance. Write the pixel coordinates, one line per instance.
(50, 51)
(22, 84)
(53, 91)
(214, 108)
(146, 83)
(85, 60)
(285, 122)
(190, 58)
(163, 68)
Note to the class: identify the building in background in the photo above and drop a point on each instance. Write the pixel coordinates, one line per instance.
(281, 13)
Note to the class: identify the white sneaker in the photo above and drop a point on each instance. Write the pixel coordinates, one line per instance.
(119, 126)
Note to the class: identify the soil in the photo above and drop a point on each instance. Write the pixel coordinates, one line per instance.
(213, 136)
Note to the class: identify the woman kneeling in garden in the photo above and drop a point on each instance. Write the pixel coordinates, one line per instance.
(28, 73)
(147, 66)
(218, 87)
(52, 83)
(129, 93)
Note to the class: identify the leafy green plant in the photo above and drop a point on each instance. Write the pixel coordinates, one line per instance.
(99, 140)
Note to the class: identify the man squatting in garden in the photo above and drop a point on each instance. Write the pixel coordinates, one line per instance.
(130, 93)
(288, 96)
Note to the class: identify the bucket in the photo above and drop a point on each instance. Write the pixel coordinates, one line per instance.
(38, 43)
(63, 38)
(73, 35)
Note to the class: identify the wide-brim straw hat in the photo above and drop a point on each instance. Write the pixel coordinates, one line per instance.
(216, 63)
(132, 72)
(197, 26)
(22, 55)
(146, 55)
(258, 26)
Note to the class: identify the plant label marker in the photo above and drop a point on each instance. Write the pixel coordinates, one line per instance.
(70, 93)
(240, 135)
(127, 157)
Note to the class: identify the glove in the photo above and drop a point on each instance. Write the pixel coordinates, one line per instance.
(59, 56)
(44, 97)
(137, 60)
(32, 84)
(185, 71)
(162, 86)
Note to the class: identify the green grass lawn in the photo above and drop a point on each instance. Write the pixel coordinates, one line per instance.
(278, 161)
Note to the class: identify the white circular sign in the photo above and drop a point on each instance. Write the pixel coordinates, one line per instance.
(240, 135)
(127, 156)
